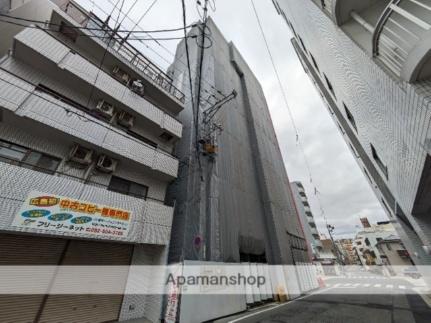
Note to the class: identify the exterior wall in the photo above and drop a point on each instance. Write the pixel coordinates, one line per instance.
(389, 249)
(240, 203)
(314, 244)
(390, 114)
(53, 123)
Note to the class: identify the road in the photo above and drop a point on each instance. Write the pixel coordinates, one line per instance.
(358, 298)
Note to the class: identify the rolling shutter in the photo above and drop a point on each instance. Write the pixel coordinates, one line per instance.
(17, 250)
(88, 308)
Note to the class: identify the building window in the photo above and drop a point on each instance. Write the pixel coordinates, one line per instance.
(302, 194)
(28, 158)
(124, 186)
(329, 85)
(367, 242)
(379, 162)
(69, 32)
(323, 4)
(308, 213)
(350, 117)
(314, 62)
(305, 203)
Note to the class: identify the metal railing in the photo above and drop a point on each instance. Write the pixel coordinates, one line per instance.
(120, 45)
(398, 31)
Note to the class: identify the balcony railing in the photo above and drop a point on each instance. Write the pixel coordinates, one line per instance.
(399, 30)
(120, 45)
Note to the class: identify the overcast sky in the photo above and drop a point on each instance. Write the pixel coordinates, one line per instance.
(344, 190)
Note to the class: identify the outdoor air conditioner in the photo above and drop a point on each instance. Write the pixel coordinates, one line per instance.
(105, 109)
(81, 155)
(125, 119)
(121, 75)
(106, 164)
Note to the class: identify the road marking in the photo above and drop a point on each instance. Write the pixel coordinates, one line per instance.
(348, 284)
(389, 286)
(377, 285)
(367, 285)
(356, 285)
(336, 285)
(401, 287)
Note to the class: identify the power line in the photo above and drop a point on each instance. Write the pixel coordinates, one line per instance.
(167, 50)
(187, 51)
(98, 29)
(113, 37)
(298, 140)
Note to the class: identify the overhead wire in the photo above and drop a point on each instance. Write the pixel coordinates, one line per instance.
(187, 52)
(167, 51)
(286, 102)
(118, 38)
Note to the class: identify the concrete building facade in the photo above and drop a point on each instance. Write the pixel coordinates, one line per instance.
(370, 62)
(87, 129)
(366, 242)
(307, 220)
(233, 202)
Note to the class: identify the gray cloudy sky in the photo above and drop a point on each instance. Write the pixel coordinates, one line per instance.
(344, 191)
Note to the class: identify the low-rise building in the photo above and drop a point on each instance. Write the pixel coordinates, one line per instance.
(394, 254)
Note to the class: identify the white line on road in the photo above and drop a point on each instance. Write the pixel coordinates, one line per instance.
(367, 285)
(377, 285)
(401, 287)
(389, 286)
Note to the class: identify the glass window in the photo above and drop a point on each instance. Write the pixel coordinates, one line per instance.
(41, 162)
(124, 186)
(10, 151)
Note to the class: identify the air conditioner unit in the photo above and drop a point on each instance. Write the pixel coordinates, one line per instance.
(125, 119)
(81, 155)
(106, 164)
(121, 75)
(105, 109)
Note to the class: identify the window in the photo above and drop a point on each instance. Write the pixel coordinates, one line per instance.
(312, 224)
(350, 117)
(367, 242)
(388, 246)
(24, 157)
(330, 87)
(308, 213)
(305, 203)
(302, 194)
(68, 31)
(379, 162)
(314, 62)
(124, 186)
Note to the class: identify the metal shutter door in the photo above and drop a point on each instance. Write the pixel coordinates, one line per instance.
(16, 250)
(88, 308)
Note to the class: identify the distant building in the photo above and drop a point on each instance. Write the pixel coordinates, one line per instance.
(307, 219)
(366, 241)
(370, 62)
(346, 246)
(394, 254)
(365, 223)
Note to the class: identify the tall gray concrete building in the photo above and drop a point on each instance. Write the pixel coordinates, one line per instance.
(87, 130)
(233, 199)
(307, 219)
(370, 61)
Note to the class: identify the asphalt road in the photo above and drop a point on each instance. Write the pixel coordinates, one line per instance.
(358, 298)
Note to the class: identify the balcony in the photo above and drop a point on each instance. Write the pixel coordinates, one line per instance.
(57, 59)
(158, 84)
(402, 39)
(395, 32)
(150, 220)
(26, 101)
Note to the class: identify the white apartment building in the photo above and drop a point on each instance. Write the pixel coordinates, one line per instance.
(307, 220)
(366, 242)
(87, 132)
(370, 61)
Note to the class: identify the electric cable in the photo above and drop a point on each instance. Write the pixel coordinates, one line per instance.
(187, 52)
(286, 102)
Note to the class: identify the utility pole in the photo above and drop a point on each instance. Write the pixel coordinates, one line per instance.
(338, 253)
